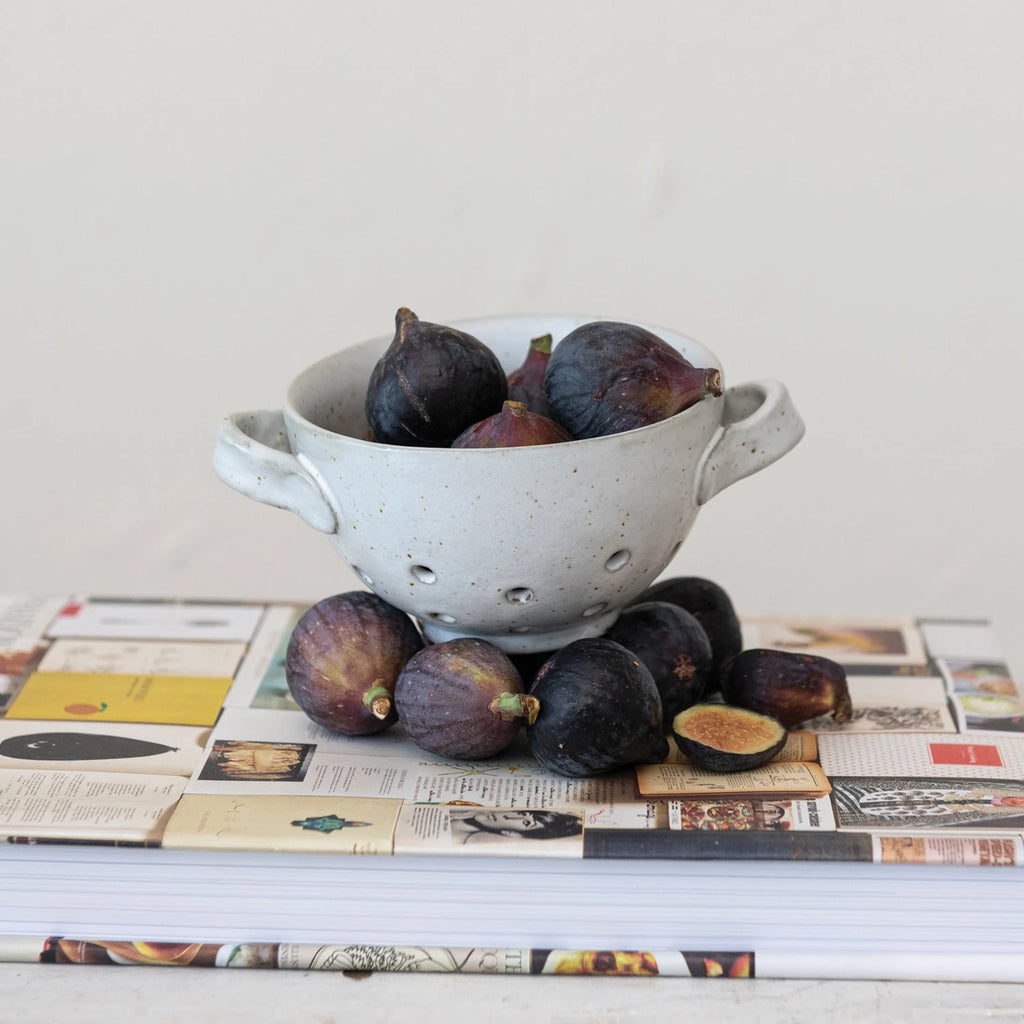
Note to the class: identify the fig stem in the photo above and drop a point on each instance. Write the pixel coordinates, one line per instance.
(843, 710)
(378, 700)
(509, 706)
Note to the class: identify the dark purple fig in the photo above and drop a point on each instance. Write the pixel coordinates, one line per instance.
(790, 687)
(526, 382)
(712, 607)
(606, 377)
(343, 659)
(514, 427)
(722, 738)
(673, 646)
(431, 384)
(462, 698)
(599, 711)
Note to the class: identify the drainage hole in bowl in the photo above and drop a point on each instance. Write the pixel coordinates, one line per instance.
(442, 617)
(368, 580)
(618, 560)
(424, 574)
(594, 609)
(519, 595)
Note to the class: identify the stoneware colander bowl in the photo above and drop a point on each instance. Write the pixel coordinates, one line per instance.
(529, 547)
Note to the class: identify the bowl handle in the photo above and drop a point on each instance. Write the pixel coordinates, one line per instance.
(253, 456)
(759, 425)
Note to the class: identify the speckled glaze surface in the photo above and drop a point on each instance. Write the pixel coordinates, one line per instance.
(527, 547)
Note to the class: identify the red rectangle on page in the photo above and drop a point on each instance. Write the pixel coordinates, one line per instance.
(966, 753)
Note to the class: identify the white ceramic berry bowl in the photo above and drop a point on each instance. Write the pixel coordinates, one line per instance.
(527, 547)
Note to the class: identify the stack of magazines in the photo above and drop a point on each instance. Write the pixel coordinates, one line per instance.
(163, 800)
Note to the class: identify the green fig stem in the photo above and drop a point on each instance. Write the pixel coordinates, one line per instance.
(378, 700)
(508, 706)
(542, 344)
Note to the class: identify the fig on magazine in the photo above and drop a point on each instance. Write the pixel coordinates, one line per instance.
(723, 738)
(343, 659)
(673, 646)
(599, 710)
(788, 686)
(462, 698)
(712, 607)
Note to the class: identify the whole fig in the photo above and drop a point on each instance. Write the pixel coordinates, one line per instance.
(462, 698)
(606, 377)
(431, 384)
(343, 658)
(710, 604)
(514, 427)
(526, 381)
(599, 710)
(673, 646)
(788, 686)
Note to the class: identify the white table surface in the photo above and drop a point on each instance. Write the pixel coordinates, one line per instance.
(31, 993)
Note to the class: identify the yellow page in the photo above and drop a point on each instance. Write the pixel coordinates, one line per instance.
(97, 697)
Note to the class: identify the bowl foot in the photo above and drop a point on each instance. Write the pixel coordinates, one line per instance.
(523, 643)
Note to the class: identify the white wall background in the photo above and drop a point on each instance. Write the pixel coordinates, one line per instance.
(198, 199)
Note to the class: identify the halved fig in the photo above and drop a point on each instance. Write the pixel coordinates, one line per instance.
(723, 738)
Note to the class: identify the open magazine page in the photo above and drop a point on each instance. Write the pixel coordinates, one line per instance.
(260, 681)
(892, 704)
(95, 806)
(303, 824)
(931, 848)
(141, 748)
(926, 781)
(489, 831)
(274, 779)
(277, 752)
(859, 644)
(23, 639)
(142, 619)
(177, 658)
(777, 778)
(736, 814)
(364, 958)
